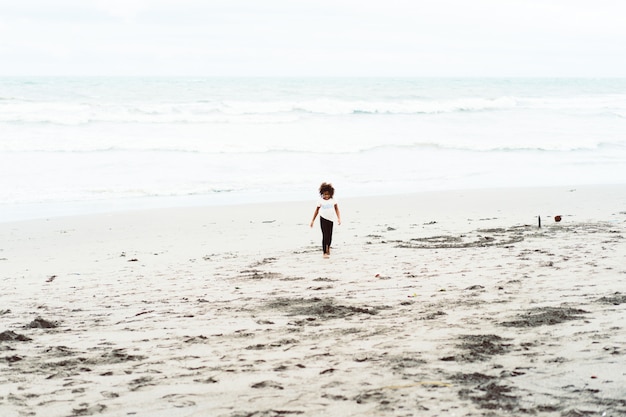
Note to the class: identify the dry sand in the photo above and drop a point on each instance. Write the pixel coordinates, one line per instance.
(434, 304)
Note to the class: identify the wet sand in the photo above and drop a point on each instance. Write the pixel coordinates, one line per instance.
(434, 304)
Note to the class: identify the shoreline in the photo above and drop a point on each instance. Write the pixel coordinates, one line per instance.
(437, 303)
(33, 211)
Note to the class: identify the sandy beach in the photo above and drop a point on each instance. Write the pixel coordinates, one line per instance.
(436, 304)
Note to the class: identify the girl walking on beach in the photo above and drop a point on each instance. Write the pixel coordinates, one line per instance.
(328, 210)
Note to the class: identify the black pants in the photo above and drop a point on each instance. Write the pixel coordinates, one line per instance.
(327, 234)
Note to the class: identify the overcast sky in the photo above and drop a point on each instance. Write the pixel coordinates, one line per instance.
(313, 38)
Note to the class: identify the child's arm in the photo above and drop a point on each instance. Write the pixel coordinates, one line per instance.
(317, 210)
(338, 214)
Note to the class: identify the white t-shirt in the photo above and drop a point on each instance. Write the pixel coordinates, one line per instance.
(327, 209)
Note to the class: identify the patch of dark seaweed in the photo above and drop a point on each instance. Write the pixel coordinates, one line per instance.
(434, 315)
(488, 344)
(114, 356)
(40, 323)
(267, 413)
(292, 279)
(10, 336)
(330, 310)
(400, 363)
(118, 356)
(473, 378)
(317, 307)
(59, 351)
(545, 316)
(479, 348)
(499, 236)
(265, 261)
(267, 384)
(494, 230)
(71, 363)
(460, 242)
(579, 413)
(259, 275)
(441, 239)
(88, 411)
(277, 344)
(370, 396)
(492, 396)
(615, 299)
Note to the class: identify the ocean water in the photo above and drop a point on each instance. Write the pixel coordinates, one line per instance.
(82, 145)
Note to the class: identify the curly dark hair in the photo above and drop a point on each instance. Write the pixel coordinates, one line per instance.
(327, 188)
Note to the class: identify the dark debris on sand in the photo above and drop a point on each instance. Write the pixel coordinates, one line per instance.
(491, 393)
(479, 348)
(11, 336)
(255, 274)
(472, 378)
(40, 323)
(320, 308)
(476, 239)
(615, 299)
(488, 392)
(545, 316)
(268, 413)
(492, 396)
